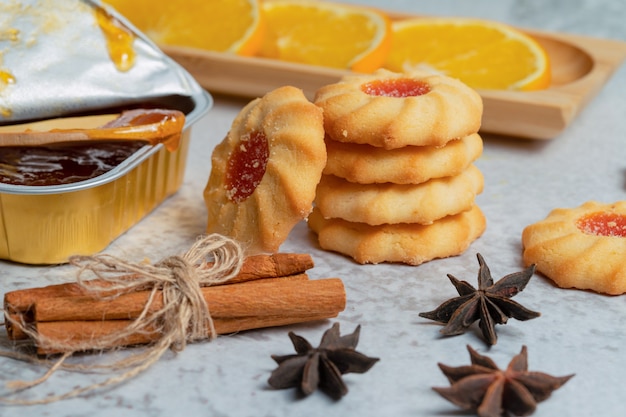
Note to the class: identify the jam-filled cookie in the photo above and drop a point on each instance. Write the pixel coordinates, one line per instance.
(392, 110)
(583, 247)
(264, 173)
(408, 243)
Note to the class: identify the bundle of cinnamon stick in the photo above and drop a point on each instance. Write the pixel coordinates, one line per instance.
(269, 290)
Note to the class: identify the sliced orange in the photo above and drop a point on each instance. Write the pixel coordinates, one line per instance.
(326, 34)
(218, 25)
(483, 54)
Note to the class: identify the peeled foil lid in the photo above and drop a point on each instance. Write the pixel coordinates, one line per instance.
(57, 58)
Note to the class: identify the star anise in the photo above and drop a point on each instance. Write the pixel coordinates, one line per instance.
(322, 367)
(491, 303)
(491, 392)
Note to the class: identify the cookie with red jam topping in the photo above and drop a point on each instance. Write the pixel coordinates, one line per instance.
(391, 110)
(264, 173)
(582, 247)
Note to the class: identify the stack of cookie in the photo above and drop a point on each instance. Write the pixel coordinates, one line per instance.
(399, 184)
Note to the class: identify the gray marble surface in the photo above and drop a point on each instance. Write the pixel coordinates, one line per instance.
(579, 332)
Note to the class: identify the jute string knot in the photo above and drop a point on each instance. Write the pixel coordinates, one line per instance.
(185, 315)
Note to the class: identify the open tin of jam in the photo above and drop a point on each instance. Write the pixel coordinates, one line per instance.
(46, 224)
(83, 206)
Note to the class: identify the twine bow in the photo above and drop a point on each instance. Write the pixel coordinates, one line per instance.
(185, 316)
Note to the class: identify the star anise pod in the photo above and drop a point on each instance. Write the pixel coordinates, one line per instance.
(323, 366)
(491, 303)
(491, 392)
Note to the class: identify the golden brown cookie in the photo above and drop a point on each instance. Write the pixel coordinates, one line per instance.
(264, 173)
(583, 247)
(412, 244)
(366, 164)
(376, 204)
(392, 110)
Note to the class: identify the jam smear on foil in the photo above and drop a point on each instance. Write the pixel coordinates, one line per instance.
(399, 87)
(62, 164)
(603, 224)
(246, 166)
(119, 40)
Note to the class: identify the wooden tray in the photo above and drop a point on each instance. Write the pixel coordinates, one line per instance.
(580, 67)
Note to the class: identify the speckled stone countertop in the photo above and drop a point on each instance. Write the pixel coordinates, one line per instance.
(579, 332)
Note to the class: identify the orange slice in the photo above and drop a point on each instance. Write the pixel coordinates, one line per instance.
(482, 54)
(218, 25)
(326, 34)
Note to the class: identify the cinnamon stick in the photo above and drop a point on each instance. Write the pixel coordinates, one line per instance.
(225, 301)
(82, 333)
(272, 265)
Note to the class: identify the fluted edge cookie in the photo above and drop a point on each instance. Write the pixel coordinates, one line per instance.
(265, 172)
(411, 244)
(391, 110)
(582, 247)
(376, 204)
(366, 164)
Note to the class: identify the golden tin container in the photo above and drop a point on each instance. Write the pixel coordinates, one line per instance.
(48, 224)
(67, 58)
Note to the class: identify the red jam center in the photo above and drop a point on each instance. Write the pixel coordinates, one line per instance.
(246, 166)
(603, 224)
(400, 87)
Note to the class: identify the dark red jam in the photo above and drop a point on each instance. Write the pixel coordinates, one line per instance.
(56, 165)
(246, 166)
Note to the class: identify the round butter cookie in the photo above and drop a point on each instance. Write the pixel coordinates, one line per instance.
(583, 247)
(391, 110)
(264, 173)
(366, 164)
(411, 244)
(376, 204)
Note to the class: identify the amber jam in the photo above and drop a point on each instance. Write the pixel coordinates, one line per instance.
(603, 224)
(246, 166)
(399, 87)
(56, 165)
(119, 40)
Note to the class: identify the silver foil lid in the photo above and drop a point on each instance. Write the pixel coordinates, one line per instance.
(57, 58)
